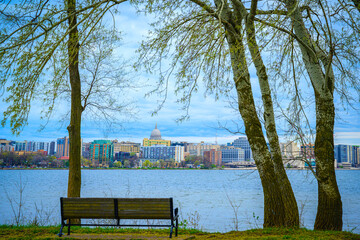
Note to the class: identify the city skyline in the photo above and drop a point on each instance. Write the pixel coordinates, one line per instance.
(222, 140)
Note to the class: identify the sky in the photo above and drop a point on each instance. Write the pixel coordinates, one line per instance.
(207, 116)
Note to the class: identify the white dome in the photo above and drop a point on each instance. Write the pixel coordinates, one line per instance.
(155, 134)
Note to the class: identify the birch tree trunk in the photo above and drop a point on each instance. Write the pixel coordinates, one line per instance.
(274, 210)
(329, 214)
(329, 211)
(74, 182)
(288, 197)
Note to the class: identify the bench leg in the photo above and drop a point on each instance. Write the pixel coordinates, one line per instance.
(171, 231)
(69, 228)
(176, 227)
(60, 233)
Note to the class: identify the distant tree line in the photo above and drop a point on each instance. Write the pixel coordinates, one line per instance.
(31, 159)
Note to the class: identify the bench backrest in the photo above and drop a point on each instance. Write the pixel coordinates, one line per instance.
(117, 208)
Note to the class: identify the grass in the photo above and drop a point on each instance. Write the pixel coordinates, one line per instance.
(34, 232)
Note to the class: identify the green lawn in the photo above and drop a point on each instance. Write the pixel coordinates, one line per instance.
(33, 232)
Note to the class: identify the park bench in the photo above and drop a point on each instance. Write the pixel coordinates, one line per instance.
(118, 209)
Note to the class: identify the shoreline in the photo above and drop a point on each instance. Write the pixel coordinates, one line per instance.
(192, 169)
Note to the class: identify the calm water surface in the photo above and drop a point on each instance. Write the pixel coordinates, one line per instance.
(208, 198)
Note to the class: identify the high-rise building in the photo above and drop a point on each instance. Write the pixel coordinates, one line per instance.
(341, 153)
(243, 143)
(52, 148)
(354, 155)
(213, 156)
(101, 153)
(346, 154)
(158, 152)
(232, 155)
(155, 139)
(62, 147)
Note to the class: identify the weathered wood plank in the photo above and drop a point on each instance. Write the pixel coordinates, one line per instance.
(128, 208)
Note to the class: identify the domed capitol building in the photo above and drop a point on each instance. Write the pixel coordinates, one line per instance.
(155, 139)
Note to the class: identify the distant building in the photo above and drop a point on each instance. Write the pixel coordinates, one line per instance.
(126, 147)
(184, 144)
(30, 146)
(101, 153)
(290, 149)
(86, 150)
(63, 146)
(198, 149)
(120, 156)
(20, 146)
(243, 143)
(155, 139)
(163, 152)
(232, 155)
(6, 146)
(308, 151)
(52, 148)
(347, 154)
(213, 156)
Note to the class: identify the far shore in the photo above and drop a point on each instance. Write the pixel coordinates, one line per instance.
(193, 169)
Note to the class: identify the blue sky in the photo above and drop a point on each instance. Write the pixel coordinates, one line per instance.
(205, 112)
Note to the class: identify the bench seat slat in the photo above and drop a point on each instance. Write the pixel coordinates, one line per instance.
(88, 208)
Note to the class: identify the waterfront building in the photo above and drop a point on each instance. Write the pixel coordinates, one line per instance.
(232, 155)
(120, 156)
(290, 149)
(155, 139)
(52, 148)
(85, 150)
(101, 153)
(20, 145)
(354, 157)
(6, 146)
(347, 154)
(198, 149)
(243, 143)
(341, 153)
(62, 147)
(213, 156)
(307, 151)
(163, 152)
(126, 147)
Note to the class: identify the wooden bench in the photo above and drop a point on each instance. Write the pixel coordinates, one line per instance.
(118, 209)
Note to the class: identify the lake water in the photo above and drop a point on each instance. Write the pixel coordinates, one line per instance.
(207, 199)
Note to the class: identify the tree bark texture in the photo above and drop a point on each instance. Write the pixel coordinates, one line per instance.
(291, 208)
(274, 211)
(329, 214)
(74, 182)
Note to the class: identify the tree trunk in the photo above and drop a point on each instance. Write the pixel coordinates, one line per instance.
(274, 212)
(291, 208)
(329, 213)
(74, 182)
